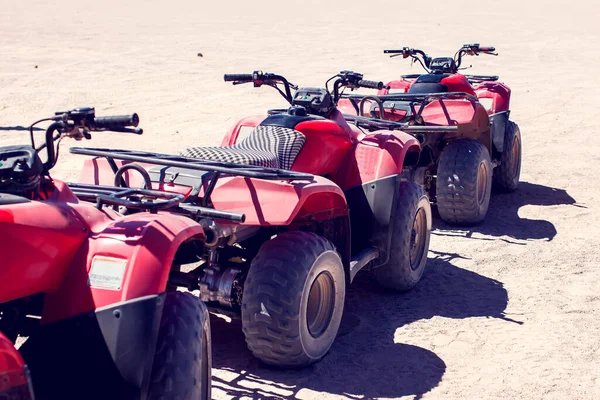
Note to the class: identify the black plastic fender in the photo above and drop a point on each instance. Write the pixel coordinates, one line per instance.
(105, 354)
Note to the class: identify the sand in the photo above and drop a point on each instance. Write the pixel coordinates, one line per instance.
(508, 309)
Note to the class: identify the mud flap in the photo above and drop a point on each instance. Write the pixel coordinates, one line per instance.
(98, 355)
(371, 215)
(498, 124)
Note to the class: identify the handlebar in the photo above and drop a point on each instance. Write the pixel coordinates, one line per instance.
(238, 78)
(120, 121)
(347, 79)
(473, 50)
(260, 78)
(406, 52)
(425, 60)
(371, 84)
(78, 123)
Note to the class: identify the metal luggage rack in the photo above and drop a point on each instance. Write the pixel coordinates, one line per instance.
(133, 198)
(481, 78)
(415, 122)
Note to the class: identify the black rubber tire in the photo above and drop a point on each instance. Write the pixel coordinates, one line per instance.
(400, 273)
(458, 182)
(183, 359)
(506, 175)
(276, 294)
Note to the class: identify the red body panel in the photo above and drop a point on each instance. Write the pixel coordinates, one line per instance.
(458, 83)
(267, 202)
(38, 241)
(264, 202)
(232, 135)
(48, 247)
(376, 156)
(494, 95)
(147, 241)
(12, 372)
(345, 107)
(326, 146)
(459, 111)
(455, 83)
(497, 92)
(399, 86)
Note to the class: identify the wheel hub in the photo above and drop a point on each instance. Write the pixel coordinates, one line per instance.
(321, 302)
(516, 156)
(417, 239)
(482, 178)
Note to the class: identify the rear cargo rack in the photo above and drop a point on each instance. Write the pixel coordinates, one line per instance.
(481, 78)
(169, 160)
(413, 123)
(373, 124)
(116, 195)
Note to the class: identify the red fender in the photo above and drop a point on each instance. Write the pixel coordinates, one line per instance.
(38, 240)
(398, 86)
(12, 373)
(494, 96)
(266, 202)
(458, 110)
(132, 258)
(242, 128)
(377, 155)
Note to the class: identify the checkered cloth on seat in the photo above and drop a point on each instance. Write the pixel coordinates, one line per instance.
(266, 146)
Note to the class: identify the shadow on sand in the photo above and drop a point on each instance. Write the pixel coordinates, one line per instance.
(503, 218)
(364, 360)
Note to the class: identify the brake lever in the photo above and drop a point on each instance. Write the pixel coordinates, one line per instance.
(137, 131)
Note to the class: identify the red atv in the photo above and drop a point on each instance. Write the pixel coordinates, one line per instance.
(291, 213)
(15, 382)
(90, 287)
(457, 170)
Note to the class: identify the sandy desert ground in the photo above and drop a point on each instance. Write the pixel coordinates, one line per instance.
(509, 309)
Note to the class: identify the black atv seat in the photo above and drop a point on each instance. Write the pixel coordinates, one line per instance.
(265, 146)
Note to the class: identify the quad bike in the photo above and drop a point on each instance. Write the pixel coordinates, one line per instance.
(89, 287)
(291, 213)
(460, 169)
(15, 381)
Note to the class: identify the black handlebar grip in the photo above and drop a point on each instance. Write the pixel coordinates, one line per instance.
(238, 77)
(392, 51)
(370, 84)
(120, 121)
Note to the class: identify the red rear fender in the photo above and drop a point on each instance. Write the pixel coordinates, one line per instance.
(377, 155)
(399, 86)
(131, 256)
(12, 368)
(494, 96)
(10, 358)
(278, 203)
(459, 111)
(240, 130)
